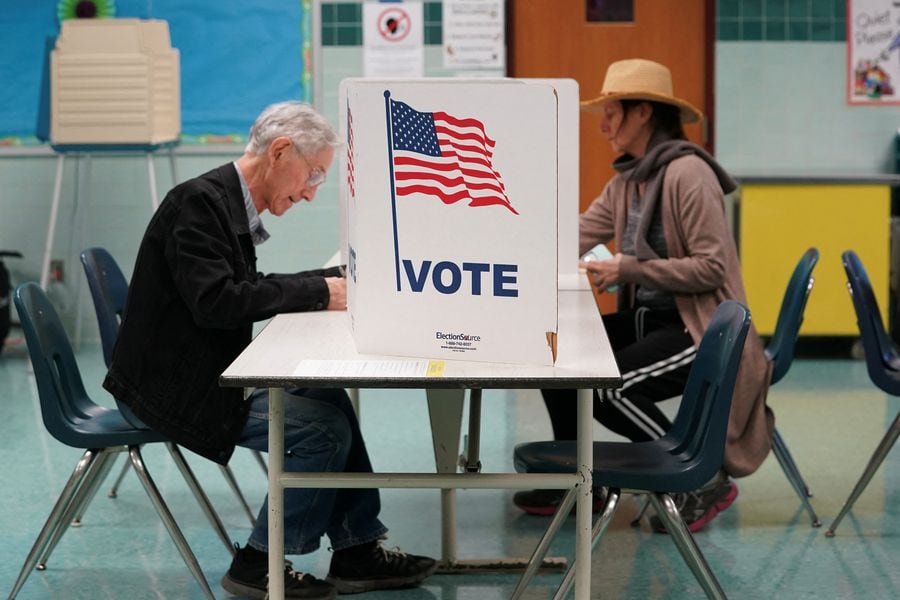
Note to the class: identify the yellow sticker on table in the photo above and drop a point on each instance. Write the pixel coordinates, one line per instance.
(435, 368)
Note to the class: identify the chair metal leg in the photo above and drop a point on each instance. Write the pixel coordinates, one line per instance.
(233, 484)
(779, 448)
(102, 471)
(668, 512)
(134, 453)
(114, 490)
(600, 526)
(55, 519)
(200, 495)
(261, 461)
(565, 506)
(887, 442)
(643, 510)
(78, 504)
(788, 459)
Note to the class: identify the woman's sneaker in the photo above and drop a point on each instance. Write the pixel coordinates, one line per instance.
(248, 577)
(701, 506)
(371, 566)
(545, 502)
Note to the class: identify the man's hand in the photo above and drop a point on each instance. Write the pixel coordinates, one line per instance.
(337, 293)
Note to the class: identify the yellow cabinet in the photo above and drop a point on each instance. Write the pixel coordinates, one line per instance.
(779, 221)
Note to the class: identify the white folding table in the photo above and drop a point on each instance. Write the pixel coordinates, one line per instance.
(316, 349)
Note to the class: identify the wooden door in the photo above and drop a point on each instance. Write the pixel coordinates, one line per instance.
(552, 38)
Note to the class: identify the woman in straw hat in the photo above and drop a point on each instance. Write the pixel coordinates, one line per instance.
(676, 262)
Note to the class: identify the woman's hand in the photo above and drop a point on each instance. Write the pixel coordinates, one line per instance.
(603, 273)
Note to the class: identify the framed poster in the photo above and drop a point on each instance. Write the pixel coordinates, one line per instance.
(873, 52)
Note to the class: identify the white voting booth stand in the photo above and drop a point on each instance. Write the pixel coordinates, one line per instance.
(114, 89)
(539, 141)
(451, 202)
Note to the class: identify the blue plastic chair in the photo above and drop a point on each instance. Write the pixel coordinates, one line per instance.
(687, 457)
(72, 418)
(882, 363)
(780, 351)
(109, 291)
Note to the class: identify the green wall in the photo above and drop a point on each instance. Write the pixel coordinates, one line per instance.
(780, 108)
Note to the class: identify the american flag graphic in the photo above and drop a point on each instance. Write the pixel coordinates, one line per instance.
(449, 158)
(351, 176)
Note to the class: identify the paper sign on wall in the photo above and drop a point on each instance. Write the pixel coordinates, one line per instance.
(873, 52)
(474, 34)
(393, 40)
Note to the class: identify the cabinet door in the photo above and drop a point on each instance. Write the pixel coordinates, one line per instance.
(779, 222)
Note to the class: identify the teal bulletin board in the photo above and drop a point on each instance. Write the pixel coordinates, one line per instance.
(236, 58)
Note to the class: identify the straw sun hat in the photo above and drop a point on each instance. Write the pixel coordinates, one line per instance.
(640, 79)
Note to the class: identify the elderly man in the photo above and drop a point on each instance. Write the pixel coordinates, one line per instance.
(194, 296)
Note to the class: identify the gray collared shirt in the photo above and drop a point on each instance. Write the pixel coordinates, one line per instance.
(257, 231)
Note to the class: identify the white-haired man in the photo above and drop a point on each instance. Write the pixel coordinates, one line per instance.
(192, 302)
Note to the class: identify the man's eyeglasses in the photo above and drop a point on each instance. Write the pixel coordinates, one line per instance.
(316, 174)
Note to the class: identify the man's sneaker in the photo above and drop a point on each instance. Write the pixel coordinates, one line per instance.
(545, 502)
(371, 566)
(701, 506)
(248, 577)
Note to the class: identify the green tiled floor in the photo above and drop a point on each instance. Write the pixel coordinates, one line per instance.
(763, 547)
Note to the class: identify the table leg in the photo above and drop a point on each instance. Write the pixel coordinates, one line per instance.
(51, 224)
(585, 491)
(354, 400)
(81, 208)
(445, 408)
(471, 462)
(172, 166)
(276, 494)
(151, 176)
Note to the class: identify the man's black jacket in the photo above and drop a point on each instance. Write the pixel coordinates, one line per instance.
(193, 298)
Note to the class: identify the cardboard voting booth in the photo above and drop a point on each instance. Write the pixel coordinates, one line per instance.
(114, 81)
(452, 218)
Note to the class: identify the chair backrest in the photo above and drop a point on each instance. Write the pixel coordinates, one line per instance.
(784, 340)
(63, 399)
(882, 359)
(698, 433)
(109, 290)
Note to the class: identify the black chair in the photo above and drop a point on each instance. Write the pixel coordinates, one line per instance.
(882, 363)
(780, 351)
(72, 418)
(687, 457)
(109, 290)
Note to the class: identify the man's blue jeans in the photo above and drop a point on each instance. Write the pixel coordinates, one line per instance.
(321, 434)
